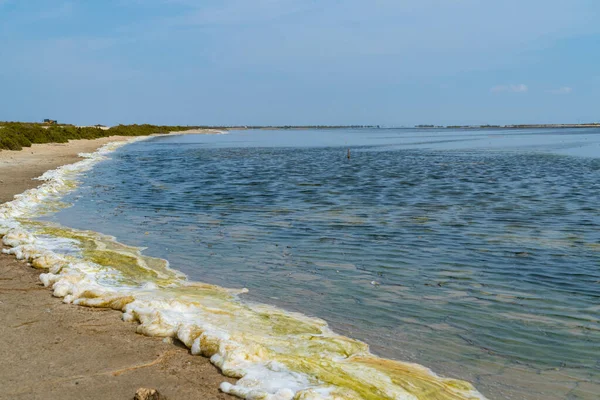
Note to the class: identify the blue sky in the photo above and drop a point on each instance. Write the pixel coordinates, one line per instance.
(389, 62)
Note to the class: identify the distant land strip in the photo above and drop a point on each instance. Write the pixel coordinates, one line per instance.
(517, 126)
(16, 135)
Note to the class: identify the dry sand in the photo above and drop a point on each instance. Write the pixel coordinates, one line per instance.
(51, 350)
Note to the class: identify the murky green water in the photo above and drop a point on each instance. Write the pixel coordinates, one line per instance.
(476, 254)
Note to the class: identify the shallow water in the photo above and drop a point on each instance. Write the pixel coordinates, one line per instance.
(475, 253)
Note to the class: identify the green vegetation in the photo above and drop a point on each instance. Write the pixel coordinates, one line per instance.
(16, 135)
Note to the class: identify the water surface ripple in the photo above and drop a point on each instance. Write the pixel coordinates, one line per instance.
(479, 261)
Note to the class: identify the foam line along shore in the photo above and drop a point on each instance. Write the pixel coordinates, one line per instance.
(90, 351)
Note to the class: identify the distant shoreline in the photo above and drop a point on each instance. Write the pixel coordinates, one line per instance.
(310, 127)
(518, 126)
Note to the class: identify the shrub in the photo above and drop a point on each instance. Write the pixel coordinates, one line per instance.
(16, 135)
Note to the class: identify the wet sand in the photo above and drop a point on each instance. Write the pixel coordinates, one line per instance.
(52, 350)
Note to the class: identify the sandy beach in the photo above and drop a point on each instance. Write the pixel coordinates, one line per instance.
(52, 350)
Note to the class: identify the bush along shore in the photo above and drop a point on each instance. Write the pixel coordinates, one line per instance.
(16, 135)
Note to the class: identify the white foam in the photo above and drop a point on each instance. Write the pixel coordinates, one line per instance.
(56, 184)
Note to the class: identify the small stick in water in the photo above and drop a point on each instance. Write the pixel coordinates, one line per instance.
(348, 154)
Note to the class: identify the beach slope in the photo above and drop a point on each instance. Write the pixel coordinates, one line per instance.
(52, 350)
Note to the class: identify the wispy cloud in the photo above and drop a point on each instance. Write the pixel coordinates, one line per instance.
(512, 88)
(562, 90)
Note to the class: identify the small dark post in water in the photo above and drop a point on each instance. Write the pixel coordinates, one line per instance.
(348, 154)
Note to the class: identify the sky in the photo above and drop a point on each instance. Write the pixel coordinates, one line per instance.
(292, 62)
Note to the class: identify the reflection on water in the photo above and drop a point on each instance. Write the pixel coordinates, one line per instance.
(474, 253)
